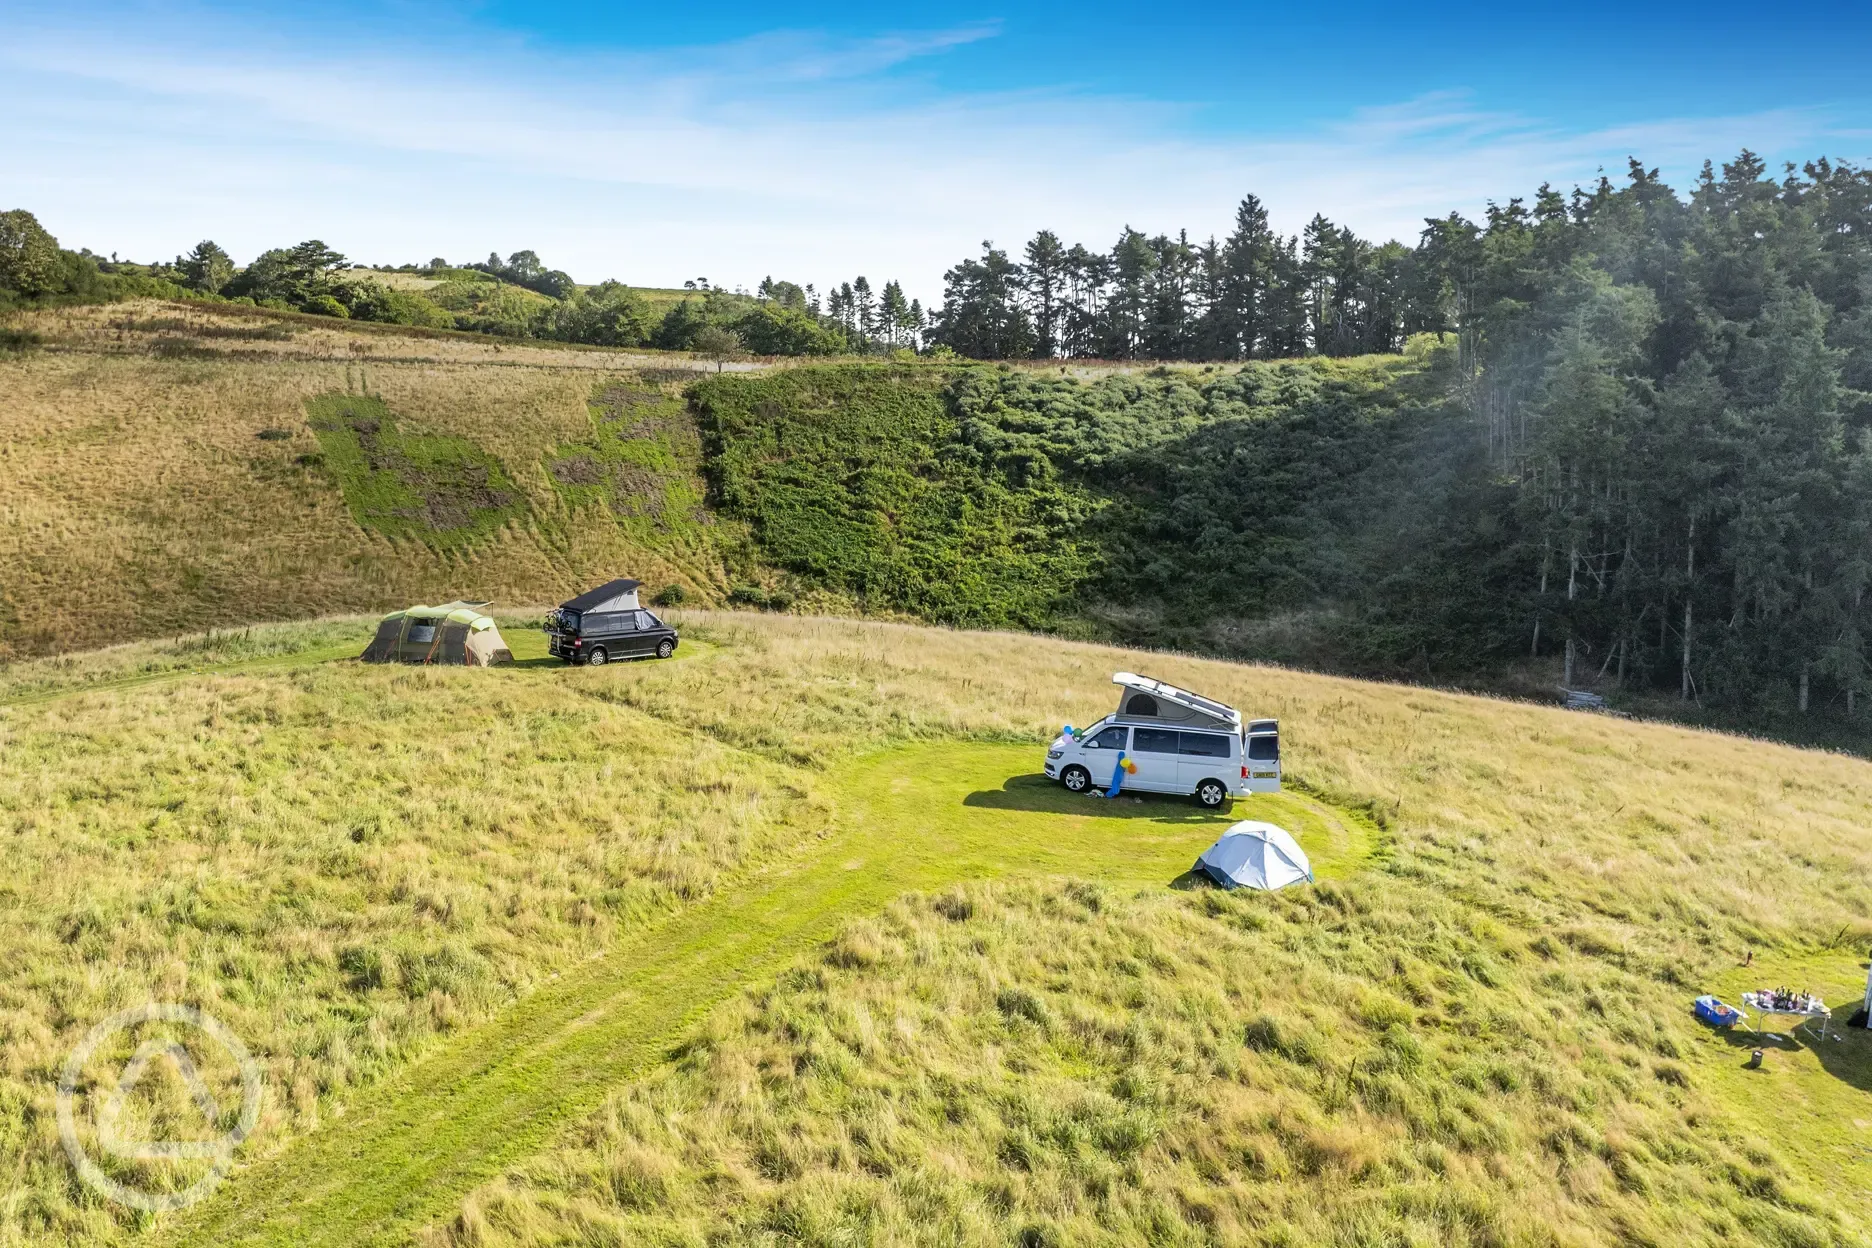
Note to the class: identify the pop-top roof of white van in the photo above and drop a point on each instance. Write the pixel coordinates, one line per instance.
(1182, 697)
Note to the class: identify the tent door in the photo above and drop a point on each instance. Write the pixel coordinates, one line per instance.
(1261, 758)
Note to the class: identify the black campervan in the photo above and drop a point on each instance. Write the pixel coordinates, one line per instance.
(606, 623)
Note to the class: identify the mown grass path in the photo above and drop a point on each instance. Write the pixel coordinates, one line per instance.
(136, 680)
(527, 644)
(909, 819)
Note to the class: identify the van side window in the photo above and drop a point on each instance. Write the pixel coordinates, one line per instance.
(1153, 741)
(1203, 745)
(1264, 749)
(1110, 739)
(646, 620)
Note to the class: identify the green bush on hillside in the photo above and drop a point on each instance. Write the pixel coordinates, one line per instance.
(325, 305)
(639, 464)
(860, 479)
(442, 491)
(370, 301)
(775, 330)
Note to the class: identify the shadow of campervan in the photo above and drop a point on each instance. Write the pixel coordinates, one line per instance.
(1036, 793)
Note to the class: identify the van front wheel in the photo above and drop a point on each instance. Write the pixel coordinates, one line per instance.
(1076, 779)
(1212, 794)
(665, 648)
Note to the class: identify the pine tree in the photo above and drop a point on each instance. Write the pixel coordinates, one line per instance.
(207, 267)
(981, 315)
(893, 313)
(864, 311)
(1044, 280)
(1245, 296)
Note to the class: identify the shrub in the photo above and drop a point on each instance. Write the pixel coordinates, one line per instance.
(774, 330)
(369, 301)
(325, 305)
(19, 341)
(608, 315)
(670, 596)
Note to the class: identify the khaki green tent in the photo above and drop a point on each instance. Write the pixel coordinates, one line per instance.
(454, 633)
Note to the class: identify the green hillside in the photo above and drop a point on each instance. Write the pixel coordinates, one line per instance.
(207, 470)
(1339, 514)
(1176, 506)
(239, 468)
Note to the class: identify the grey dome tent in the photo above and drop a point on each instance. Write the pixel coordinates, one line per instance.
(455, 634)
(1255, 855)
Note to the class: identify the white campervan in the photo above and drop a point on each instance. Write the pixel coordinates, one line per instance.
(1181, 742)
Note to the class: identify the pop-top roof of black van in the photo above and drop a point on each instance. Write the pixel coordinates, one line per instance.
(602, 595)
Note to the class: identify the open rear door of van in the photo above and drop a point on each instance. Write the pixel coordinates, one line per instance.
(1261, 765)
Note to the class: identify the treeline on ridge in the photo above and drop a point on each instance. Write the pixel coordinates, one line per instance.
(518, 297)
(1640, 451)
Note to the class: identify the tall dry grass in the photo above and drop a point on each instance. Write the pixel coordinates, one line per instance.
(209, 331)
(145, 496)
(1485, 1040)
(341, 863)
(1054, 1064)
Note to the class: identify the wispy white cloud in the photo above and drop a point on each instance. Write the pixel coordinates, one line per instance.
(803, 57)
(788, 154)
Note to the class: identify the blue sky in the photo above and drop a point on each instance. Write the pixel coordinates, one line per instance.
(815, 142)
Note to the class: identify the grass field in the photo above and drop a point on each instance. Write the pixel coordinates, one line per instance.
(148, 490)
(782, 942)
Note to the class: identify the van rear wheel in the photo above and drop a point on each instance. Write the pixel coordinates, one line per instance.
(1212, 794)
(1076, 779)
(597, 657)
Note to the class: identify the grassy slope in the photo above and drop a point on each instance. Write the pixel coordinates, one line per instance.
(138, 496)
(1232, 510)
(859, 481)
(1479, 1037)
